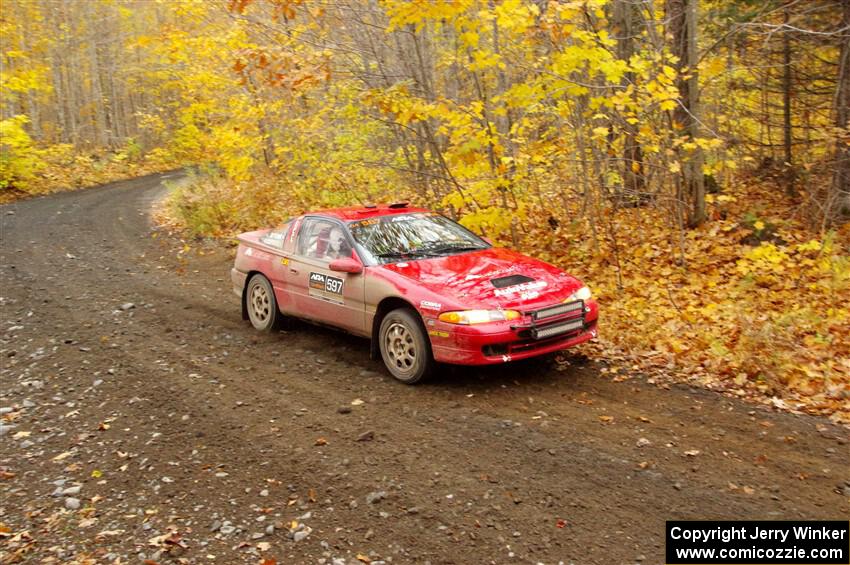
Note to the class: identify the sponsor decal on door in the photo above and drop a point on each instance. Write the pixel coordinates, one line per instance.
(325, 287)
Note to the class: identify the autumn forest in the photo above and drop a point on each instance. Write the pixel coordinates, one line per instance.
(689, 159)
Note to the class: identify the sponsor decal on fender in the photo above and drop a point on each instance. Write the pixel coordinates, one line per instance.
(428, 305)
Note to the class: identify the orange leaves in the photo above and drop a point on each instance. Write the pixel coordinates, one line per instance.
(280, 67)
(282, 9)
(238, 6)
(285, 9)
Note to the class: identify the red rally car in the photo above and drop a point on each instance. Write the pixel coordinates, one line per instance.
(423, 288)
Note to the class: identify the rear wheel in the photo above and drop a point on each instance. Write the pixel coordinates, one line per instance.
(404, 347)
(261, 304)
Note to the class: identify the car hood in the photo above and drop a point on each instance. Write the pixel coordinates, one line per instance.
(491, 278)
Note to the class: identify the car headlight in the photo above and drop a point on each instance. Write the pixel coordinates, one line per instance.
(581, 294)
(468, 317)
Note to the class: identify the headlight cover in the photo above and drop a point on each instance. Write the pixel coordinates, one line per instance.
(469, 317)
(581, 294)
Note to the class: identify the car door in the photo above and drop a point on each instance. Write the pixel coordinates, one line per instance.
(319, 294)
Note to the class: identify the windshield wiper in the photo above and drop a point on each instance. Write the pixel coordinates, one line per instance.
(403, 254)
(455, 247)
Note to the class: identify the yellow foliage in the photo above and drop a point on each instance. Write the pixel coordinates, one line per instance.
(20, 160)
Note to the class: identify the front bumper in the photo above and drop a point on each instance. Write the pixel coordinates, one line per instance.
(501, 342)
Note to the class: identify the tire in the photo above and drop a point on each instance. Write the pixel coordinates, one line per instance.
(261, 304)
(404, 347)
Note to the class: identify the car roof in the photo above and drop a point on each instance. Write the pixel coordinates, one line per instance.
(362, 212)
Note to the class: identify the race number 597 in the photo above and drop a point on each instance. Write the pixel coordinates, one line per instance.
(333, 285)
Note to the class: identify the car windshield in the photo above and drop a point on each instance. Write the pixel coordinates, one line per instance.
(403, 237)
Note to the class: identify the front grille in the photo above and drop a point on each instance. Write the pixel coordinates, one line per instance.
(557, 329)
(557, 320)
(558, 310)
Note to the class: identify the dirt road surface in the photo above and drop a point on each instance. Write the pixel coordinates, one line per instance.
(142, 419)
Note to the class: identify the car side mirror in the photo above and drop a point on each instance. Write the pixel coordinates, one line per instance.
(346, 265)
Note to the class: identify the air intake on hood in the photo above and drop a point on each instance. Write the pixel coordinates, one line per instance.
(511, 280)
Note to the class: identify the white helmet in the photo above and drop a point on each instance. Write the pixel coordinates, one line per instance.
(336, 241)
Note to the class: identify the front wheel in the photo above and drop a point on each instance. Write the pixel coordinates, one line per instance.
(404, 347)
(261, 304)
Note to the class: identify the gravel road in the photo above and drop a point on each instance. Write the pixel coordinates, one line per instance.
(142, 419)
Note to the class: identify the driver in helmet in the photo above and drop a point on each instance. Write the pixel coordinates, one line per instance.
(337, 245)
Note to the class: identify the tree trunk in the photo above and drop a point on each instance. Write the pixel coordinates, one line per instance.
(100, 135)
(838, 204)
(32, 105)
(682, 27)
(634, 179)
(503, 124)
(788, 164)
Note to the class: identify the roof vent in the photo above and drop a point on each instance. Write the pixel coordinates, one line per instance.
(370, 206)
(395, 205)
(511, 280)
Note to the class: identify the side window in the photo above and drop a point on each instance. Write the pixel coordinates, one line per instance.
(323, 239)
(276, 237)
